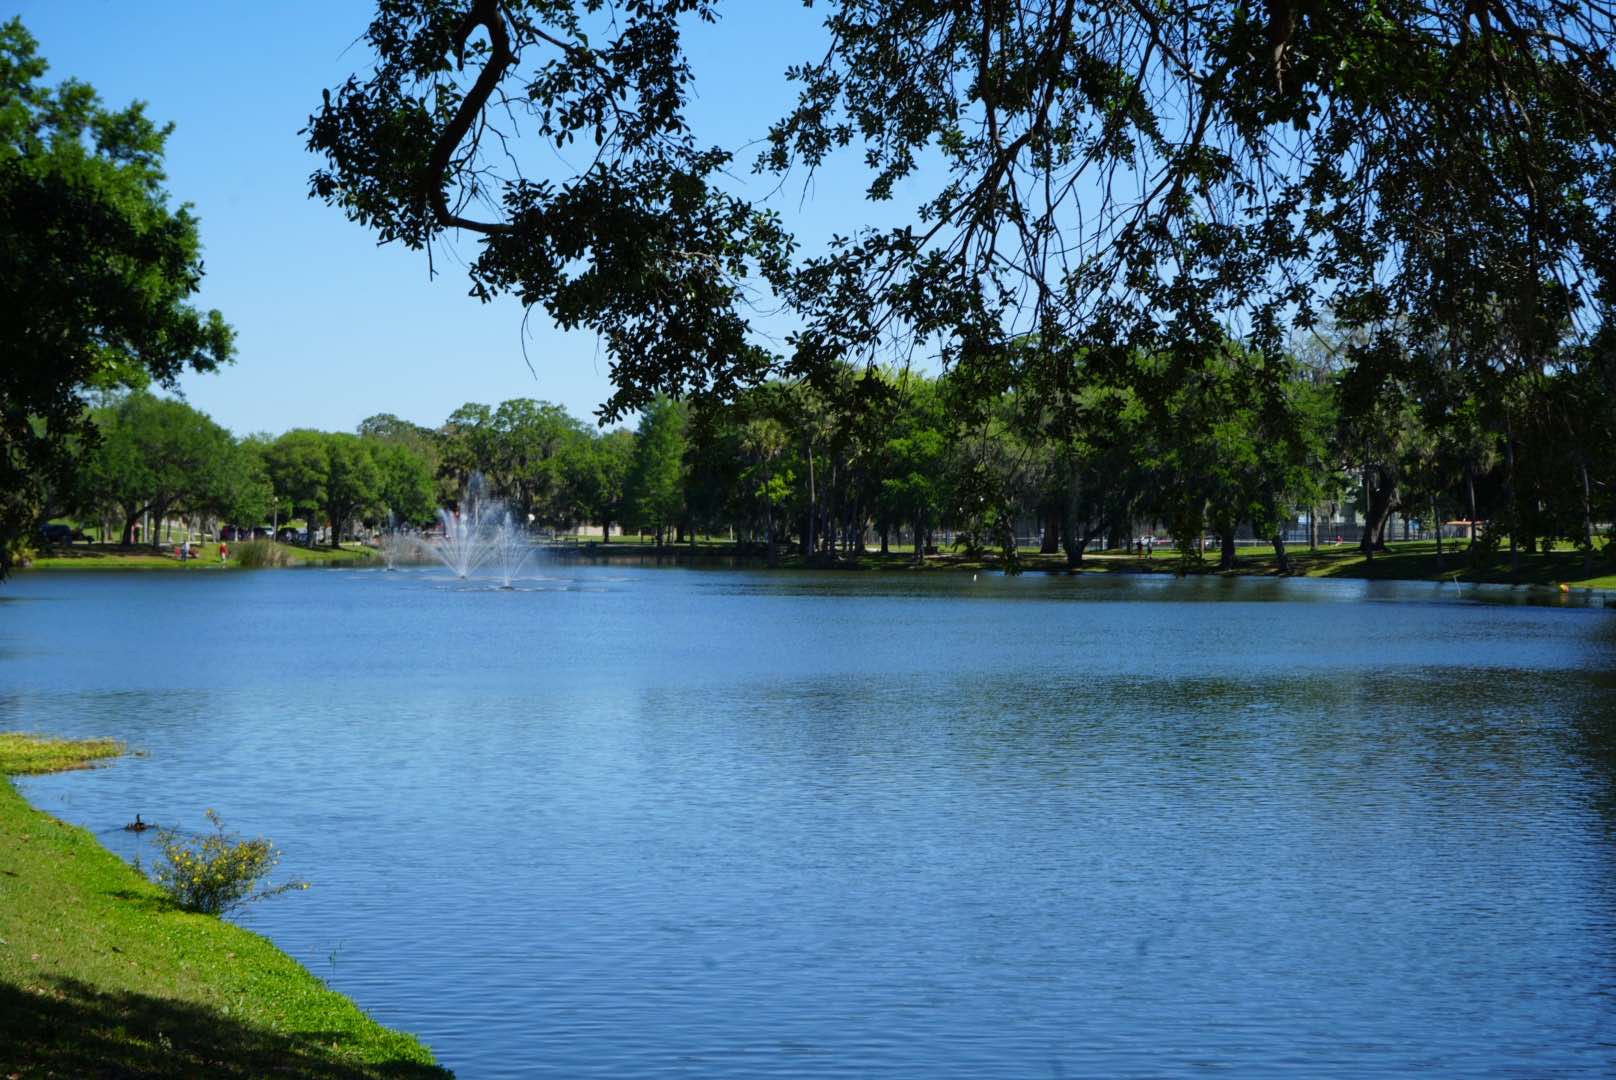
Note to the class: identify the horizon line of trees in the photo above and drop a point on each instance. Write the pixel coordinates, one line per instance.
(1236, 440)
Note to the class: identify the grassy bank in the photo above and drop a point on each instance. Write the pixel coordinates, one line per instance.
(205, 557)
(1417, 560)
(102, 975)
(1403, 561)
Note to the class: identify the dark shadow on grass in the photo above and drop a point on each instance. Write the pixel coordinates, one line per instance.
(1536, 568)
(157, 905)
(68, 1028)
(96, 551)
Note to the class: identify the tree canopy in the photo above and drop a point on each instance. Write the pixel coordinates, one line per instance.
(1113, 177)
(96, 269)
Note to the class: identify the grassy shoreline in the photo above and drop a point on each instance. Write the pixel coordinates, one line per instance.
(101, 974)
(1402, 561)
(205, 557)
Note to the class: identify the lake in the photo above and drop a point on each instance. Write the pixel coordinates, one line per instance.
(636, 822)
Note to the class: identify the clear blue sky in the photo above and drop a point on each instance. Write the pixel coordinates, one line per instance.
(332, 328)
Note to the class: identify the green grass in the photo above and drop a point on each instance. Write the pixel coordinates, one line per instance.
(22, 754)
(101, 974)
(1414, 560)
(1404, 561)
(206, 557)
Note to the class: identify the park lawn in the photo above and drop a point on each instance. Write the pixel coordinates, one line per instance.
(1412, 560)
(205, 557)
(113, 557)
(101, 974)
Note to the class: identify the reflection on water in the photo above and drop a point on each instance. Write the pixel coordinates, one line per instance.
(723, 823)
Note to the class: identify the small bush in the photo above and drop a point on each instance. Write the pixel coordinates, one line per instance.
(218, 872)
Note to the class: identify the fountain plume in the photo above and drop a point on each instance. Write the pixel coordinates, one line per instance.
(481, 532)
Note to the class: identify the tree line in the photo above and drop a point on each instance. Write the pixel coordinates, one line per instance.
(1238, 440)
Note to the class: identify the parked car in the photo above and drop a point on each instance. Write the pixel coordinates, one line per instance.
(57, 534)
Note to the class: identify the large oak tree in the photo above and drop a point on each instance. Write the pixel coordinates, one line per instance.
(96, 270)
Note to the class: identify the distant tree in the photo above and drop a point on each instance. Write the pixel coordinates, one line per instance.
(256, 447)
(353, 484)
(405, 492)
(385, 427)
(763, 439)
(596, 470)
(466, 446)
(655, 483)
(95, 272)
(528, 440)
(916, 487)
(246, 496)
(715, 498)
(156, 455)
(390, 429)
(298, 469)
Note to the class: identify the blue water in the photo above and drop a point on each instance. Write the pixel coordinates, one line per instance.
(636, 822)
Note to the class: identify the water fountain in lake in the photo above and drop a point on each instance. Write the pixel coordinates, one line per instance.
(481, 532)
(397, 546)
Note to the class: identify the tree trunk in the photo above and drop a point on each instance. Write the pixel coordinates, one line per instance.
(1313, 528)
(1377, 512)
(605, 530)
(920, 541)
(1226, 550)
(768, 533)
(1587, 520)
(1440, 566)
(810, 534)
(128, 529)
(1068, 530)
(159, 512)
(1074, 541)
(1280, 557)
(1366, 542)
(886, 535)
(1509, 503)
(1470, 488)
(1052, 532)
